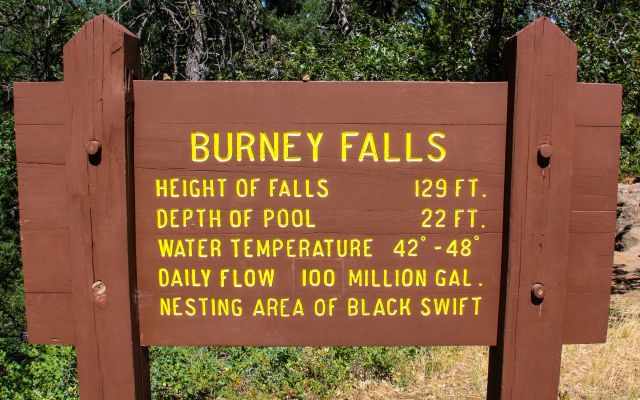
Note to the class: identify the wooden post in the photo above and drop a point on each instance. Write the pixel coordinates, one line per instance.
(541, 63)
(100, 63)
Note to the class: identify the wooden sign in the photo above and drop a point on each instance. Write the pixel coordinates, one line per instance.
(317, 213)
(281, 213)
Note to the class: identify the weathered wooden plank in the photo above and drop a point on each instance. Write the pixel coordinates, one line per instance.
(42, 144)
(40, 152)
(45, 260)
(526, 362)
(593, 204)
(49, 320)
(166, 146)
(40, 103)
(584, 321)
(593, 222)
(486, 255)
(343, 102)
(42, 196)
(594, 193)
(99, 60)
(598, 104)
(596, 150)
(589, 287)
(314, 332)
(591, 259)
(355, 185)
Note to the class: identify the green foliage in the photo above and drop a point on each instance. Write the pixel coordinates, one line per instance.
(630, 145)
(32, 35)
(608, 38)
(609, 51)
(386, 53)
(37, 372)
(257, 373)
(182, 39)
(11, 309)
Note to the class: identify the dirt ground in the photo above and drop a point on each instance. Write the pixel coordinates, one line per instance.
(626, 270)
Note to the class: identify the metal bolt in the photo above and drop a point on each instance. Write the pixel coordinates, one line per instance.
(537, 291)
(99, 288)
(93, 147)
(545, 150)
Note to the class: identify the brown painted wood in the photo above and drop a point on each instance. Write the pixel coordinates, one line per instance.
(42, 139)
(589, 287)
(598, 104)
(43, 201)
(45, 256)
(542, 74)
(593, 196)
(41, 142)
(39, 103)
(342, 102)
(366, 200)
(49, 320)
(99, 62)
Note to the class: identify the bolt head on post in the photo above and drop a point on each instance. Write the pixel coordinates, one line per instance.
(93, 147)
(99, 291)
(537, 293)
(545, 150)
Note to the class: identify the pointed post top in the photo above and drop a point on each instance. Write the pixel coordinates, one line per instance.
(100, 23)
(105, 19)
(543, 25)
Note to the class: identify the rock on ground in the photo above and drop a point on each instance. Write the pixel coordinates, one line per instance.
(626, 268)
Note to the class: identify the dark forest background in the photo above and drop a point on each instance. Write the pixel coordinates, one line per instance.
(280, 40)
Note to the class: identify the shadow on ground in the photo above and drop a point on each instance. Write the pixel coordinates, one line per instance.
(624, 279)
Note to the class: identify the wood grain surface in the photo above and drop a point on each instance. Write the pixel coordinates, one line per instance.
(542, 71)
(367, 200)
(99, 64)
(44, 224)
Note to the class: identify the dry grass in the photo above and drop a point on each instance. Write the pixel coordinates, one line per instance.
(610, 370)
(602, 371)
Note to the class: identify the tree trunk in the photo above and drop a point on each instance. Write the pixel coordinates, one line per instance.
(196, 69)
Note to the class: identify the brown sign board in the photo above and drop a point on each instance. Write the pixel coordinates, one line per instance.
(316, 213)
(347, 213)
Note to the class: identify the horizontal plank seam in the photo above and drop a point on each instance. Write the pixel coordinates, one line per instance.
(43, 124)
(605, 125)
(40, 163)
(408, 232)
(45, 229)
(330, 122)
(159, 84)
(40, 292)
(289, 168)
(593, 212)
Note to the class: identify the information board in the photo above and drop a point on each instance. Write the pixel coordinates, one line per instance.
(320, 213)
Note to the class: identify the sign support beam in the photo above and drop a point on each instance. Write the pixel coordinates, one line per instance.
(541, 64)
(100, 63)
